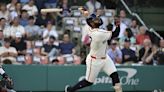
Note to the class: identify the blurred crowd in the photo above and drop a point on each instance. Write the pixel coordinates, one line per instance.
(28, 36)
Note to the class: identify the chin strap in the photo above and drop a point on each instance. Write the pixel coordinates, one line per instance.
(118, 87)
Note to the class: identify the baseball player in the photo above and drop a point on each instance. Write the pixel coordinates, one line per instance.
(97, 60)
(4, 76)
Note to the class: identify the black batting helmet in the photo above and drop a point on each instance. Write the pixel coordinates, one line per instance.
(94, 19)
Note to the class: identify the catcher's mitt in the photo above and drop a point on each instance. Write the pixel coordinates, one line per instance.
(6, 83)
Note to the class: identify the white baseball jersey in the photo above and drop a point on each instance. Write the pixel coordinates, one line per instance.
(95, 60)
(98, 46)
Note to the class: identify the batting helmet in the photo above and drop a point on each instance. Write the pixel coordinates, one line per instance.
(94, 19)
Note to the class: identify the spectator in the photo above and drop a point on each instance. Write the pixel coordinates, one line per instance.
(115, 33)
(160, 53)
(24, 18)
(142, 36)
(51, 51)
(20, 46)
(128, 35)
(150, 59)
(134, 27)
(7, 52)
(129, 56)
(42, 19)
(32, 29)
(105, 20)
(15, 27)
(11, 6)
(67, 51)
(50, 3)
(4, 13)
(3, 23)
(40, 4)
(17, 11)
(115, 53)
(63, 4)
(49, 31)
(92, 5)
(161, 45)
(24, 1)
(112, 4)
(124, 19)
(120, 25)
(66, 8)
(38, 58)
(146, 52)
(2, 27)
(29, 52)
(31, 8)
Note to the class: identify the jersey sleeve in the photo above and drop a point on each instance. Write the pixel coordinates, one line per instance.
(85, 31)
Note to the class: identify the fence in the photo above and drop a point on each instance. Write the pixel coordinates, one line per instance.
(54, 78)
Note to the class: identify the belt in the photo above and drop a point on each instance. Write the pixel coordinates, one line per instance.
(98, 58)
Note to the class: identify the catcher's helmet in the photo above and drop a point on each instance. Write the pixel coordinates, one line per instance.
(94, 19)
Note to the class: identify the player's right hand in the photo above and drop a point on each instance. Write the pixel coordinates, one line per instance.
(84, 11)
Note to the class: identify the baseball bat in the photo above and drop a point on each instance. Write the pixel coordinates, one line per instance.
(51, 10)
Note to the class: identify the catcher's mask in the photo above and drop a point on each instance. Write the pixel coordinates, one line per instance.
(94, 19)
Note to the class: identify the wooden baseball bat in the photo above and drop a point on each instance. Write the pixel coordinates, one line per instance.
(51, 10)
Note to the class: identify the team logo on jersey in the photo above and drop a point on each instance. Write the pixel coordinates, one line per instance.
(127, 77)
